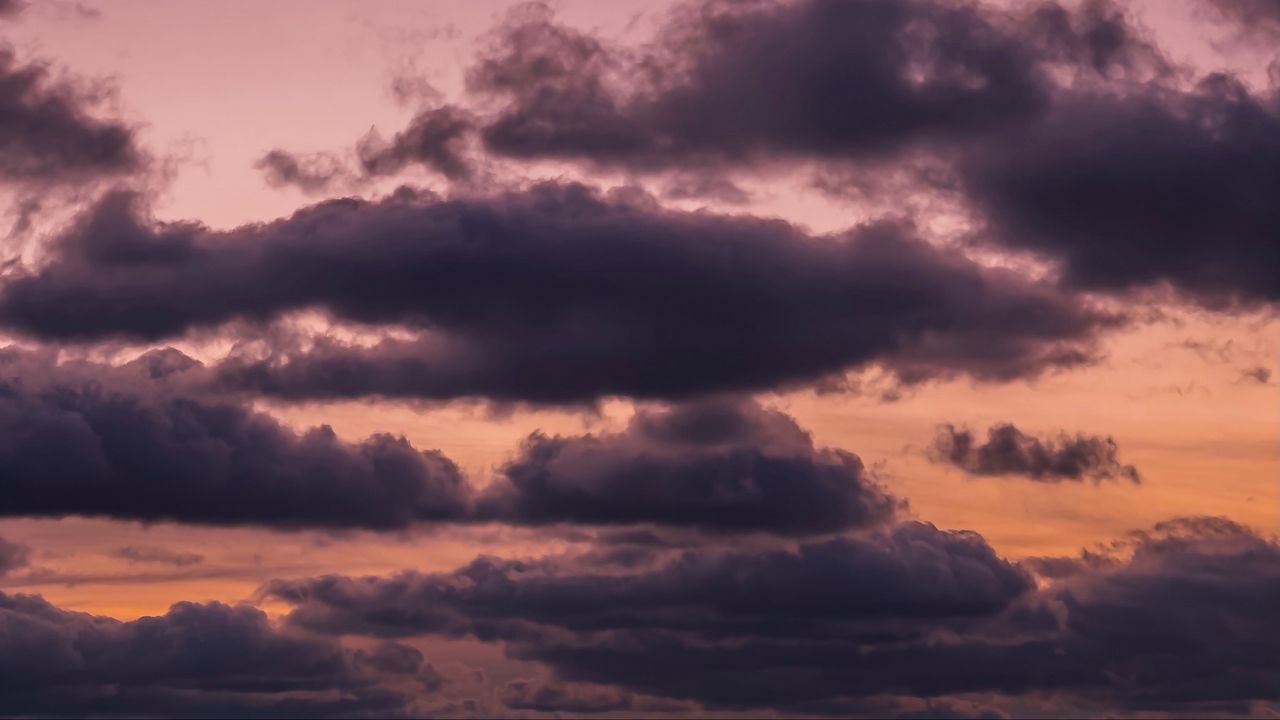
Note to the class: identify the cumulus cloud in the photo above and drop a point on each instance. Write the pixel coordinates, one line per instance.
(84, 442)
(723, 464)
(196, 659)
(1009, 451)
(144, 441)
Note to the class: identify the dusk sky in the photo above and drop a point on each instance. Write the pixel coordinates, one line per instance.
(870, 358)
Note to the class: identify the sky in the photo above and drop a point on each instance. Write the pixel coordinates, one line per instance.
(875, 358)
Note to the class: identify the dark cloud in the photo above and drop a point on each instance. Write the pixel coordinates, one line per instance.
(435, 138)
(559, 698)
(912, 571)
(315, 173)
(720, 464)
(163, 556)
(554, 294)
(1009, 451)
(90, 444)
(10, 8)
(1179, 619)
(47, 131)
(729, 83)
(1259, 375)
(209, 660)
(1188, 620)
(1067, 134)
(13, 556)
(141, 441)
(1134, 191)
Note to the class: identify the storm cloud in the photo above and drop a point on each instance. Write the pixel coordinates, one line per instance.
(1009, 451)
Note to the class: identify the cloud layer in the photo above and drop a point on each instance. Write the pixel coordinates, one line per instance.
(1177, 618)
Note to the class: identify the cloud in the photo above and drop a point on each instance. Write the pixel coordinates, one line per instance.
(911, 571)
(315, 173)
(1259, 375)
(144, 441)
(144, 554)
(437, 139)
(47, 131)
(1009, 451)
(197, 659)
(553, 295)
(1177, 619)
(559, 698)
(729, 84)
(13, 556)
(1062, 127)
(1149, 188)
(83, 441)
(721, 464)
